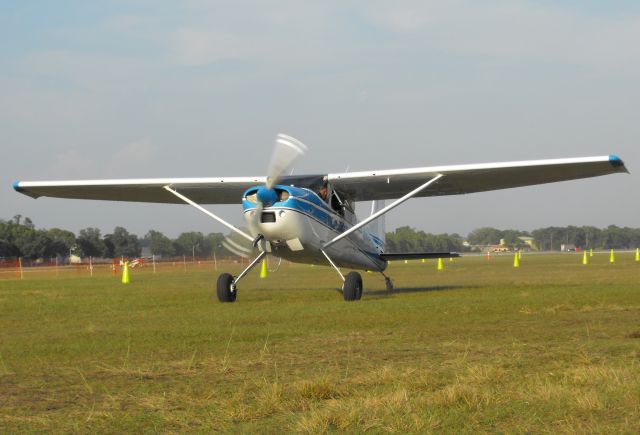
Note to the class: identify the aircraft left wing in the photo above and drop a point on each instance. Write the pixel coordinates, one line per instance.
(201, 190)
(459, 179)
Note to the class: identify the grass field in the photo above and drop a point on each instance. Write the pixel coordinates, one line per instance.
(553, 346)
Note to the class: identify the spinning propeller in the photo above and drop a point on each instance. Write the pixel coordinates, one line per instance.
(286, 151)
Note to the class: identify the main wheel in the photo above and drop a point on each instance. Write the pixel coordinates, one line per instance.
(352, 288)
(226, 289)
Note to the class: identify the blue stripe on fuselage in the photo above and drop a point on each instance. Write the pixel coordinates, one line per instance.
(320, 214)
(306, 202)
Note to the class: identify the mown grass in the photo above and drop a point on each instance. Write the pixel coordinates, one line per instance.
(553, 346)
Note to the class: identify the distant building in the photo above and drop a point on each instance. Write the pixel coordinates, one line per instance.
(567, 247)
(529, 241)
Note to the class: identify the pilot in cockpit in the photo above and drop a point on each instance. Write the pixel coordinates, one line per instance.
(323, 193)
(335, 203)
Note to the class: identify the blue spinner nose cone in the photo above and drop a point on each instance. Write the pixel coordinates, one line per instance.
(267, 196)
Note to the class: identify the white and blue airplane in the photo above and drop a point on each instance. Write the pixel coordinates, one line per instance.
(310, 218)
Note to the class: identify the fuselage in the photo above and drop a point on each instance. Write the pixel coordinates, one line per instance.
(296, 223)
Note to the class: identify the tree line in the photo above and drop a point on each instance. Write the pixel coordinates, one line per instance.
(552, 238)
(407, 239)
(20, 238)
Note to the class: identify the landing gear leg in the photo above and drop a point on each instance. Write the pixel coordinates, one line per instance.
(352, 284)
(226, 287)
(387, 282)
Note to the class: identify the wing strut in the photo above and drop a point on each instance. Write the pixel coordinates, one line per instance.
(208, 213)
(333, 264)
(379, 213)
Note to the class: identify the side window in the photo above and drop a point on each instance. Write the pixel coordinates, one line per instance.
(336, 204)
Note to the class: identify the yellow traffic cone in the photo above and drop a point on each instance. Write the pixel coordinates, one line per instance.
(440, 265)
(637, 254)
(406, 261)
(519, 255)
(590, 252)
(516, 261)
(612, 257)
(450, 259)
(585, 259)
(423, 260)
(125, 273)
(263, 268)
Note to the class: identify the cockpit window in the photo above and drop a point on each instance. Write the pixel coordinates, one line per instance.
(283, 195)
(336, 203)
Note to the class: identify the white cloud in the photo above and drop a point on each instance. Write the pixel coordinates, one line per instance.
(130, 159)
(72, 164)
(193, 46)
(105, 162)
(522, 30)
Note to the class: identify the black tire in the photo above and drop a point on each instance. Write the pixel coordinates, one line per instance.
(352, 288)
(224, 288)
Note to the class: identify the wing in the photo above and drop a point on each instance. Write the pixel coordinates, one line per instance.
(201, 190)
(458, 179)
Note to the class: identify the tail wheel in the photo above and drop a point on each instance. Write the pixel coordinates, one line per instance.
(226, 289)
(352, 288)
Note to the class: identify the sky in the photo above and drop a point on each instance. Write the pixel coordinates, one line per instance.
(128, 89)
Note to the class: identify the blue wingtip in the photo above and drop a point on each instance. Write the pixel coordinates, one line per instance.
(617, 162)
(16, 186)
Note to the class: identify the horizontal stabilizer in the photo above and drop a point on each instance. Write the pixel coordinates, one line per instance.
(417, 255)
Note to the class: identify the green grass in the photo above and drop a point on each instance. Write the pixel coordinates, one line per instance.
(553, 346)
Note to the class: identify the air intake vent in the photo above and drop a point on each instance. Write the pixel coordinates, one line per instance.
(268, 217)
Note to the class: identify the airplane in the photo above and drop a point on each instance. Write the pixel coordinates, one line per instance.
(310, 218)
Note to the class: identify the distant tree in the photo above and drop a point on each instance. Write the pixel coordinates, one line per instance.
(592, 237)
(159, 244)
(620, 238)
(24, 238)
(550, 238)
(37, 245)
(7, 247)
(512, 238)
(215, 241)
(485, 236)
(191, 243)
(90, 243)
(109, 247)
(407, 239)
(403, 239)
(122, 244)
(63, 242)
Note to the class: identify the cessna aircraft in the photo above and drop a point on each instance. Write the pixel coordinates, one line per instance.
(310, 218)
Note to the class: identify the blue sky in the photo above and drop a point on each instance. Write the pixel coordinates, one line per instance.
(199, 88)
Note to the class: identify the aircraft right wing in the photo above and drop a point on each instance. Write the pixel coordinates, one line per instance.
(459, 179)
